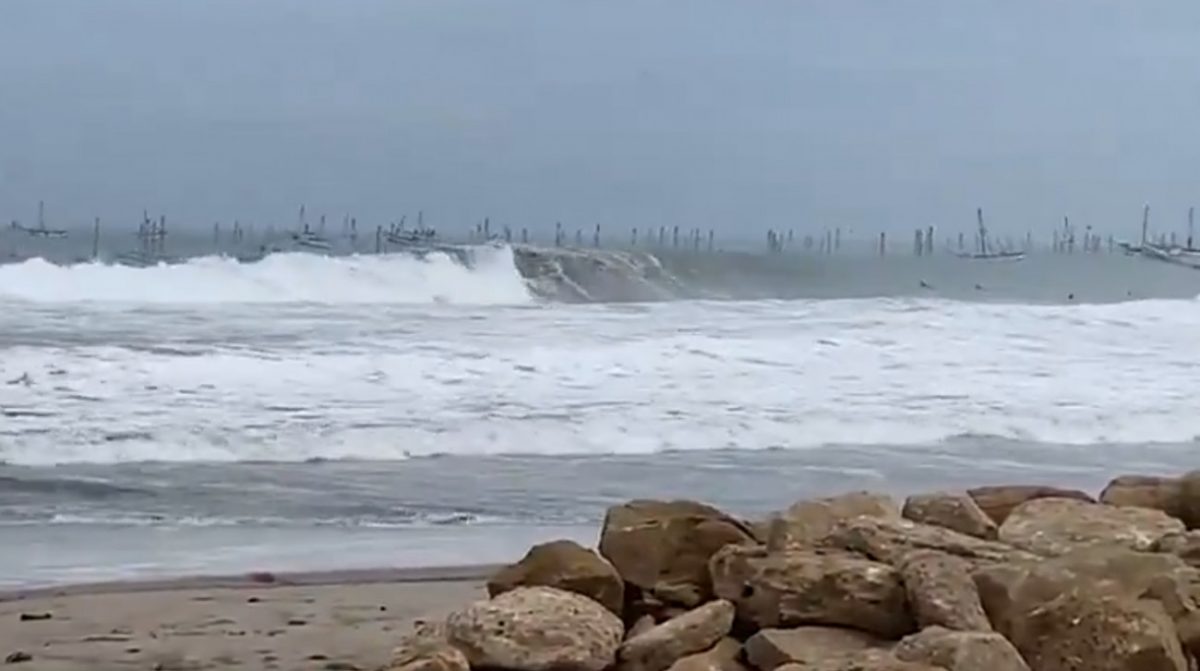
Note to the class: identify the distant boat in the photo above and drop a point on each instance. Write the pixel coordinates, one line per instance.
(137, 258)
(41, 231)
(1176, 255)
(257, 255)
(307, 238)
(985, 254)
(310, 240)
(995, 256)
(1185, 255)
(404, 238)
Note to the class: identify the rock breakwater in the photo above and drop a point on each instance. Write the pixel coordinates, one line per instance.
(994, 579)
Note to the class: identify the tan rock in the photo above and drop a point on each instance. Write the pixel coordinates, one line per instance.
(568, 566)
(872, 660)
(889, 540)
(941, 591)
(961, 650)
(1144, 491)
(721, 657)
(446, 658)
(952, 510)
(693, 632)
(1080, 630)
(1184, 545)
(1177, 496)
(998, 501)
(771, 648)
(1010, 592)
(662, 548)
(808, 522)
(537, 629)
(1051, 527)
(1189, 499)
(643, 624)
(426, 639)
(808, 587)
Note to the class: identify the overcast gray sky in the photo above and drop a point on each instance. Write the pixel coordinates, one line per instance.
(758, 113)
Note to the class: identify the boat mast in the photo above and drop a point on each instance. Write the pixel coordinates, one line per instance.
(1191, 225)
(983, 246)
(1145, 223)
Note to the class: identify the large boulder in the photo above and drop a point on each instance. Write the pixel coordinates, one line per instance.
(772, 648)
(808, 587)
(1010, 592)
(724, 656)
(961, 650)
(1144, 491)
(952, 510)
(1103, 608)
(889, 541)
(537, 629)
(1178, 497)
(808, 522)
(662, 548)
(999, 500)
(693, 632)
(941, 591)
(1051, 527)
(568, 566)
(1080, 630)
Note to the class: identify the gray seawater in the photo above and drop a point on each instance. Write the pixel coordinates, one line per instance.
(311, 413)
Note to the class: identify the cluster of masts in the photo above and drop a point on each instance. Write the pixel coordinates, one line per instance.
(152, 234)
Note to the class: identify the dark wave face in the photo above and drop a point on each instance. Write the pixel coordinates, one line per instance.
(597, 275)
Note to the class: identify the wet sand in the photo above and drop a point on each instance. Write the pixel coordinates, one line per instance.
(312, 621)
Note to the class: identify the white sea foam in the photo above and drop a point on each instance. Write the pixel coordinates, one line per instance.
(380, 384)
(492, 278)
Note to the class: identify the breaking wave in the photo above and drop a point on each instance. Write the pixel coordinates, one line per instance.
(477, 276)
(520, 274)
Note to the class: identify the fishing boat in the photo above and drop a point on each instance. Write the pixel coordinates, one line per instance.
(40, 231)
(986, 254)
(310, 240)
(1187, 256)
(1175, 255)
(306, 238)
(138, 258)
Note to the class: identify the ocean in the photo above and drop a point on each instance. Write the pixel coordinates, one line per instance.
(453, 406)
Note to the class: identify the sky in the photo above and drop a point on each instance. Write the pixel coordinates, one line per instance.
(738, 116)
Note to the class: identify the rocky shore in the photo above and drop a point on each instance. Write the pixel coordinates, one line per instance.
(1006, 578)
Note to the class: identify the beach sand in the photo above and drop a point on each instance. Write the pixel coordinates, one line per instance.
(335, 620)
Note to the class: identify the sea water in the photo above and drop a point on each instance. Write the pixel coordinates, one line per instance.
(313, 412)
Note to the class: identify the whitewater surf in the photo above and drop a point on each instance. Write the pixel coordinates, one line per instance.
(307, 401)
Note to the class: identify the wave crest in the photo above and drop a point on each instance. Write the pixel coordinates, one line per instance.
(476, 275)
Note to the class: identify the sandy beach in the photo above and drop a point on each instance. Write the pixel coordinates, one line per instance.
(333, 620)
